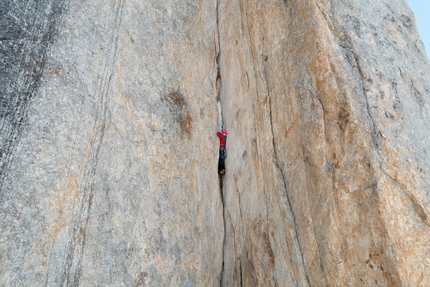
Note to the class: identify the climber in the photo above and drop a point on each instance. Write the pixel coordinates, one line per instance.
(222, 151)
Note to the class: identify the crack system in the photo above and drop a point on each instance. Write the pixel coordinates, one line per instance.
(275, 158)
(218, 98)
(281, 171)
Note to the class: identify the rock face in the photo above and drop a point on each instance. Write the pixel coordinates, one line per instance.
(111, 179)
(328, 180)
(108, 172)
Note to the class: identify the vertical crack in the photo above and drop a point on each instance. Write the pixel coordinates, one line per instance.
(221, 187)
(281, 171)
(296, 231)
(240, 273)
(218, 97)
(224, 225)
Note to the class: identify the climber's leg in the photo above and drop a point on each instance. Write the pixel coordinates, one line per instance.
(221, 166)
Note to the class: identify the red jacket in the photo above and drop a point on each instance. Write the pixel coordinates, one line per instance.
(222, 139)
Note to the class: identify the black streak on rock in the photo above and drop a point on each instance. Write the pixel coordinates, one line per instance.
(27, 30)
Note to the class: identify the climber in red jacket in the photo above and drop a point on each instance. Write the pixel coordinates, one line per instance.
(222, 151)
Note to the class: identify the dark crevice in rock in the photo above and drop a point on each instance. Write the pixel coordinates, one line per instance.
(375, 132)
(240, 273)
(281, 171)
(347, 45)
(27, 31)
(224, 225)
(296, 231)
(218, 98)
(319, 249)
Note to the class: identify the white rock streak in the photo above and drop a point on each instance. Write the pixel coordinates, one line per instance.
(218, 104)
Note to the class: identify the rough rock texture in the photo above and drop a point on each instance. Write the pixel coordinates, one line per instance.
(109, 154)
(328, 170)
(112, 177)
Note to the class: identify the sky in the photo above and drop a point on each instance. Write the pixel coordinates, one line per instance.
(421, 9)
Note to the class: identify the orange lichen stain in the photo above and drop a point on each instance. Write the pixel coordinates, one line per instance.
(256, 159)
(186, 124)
(289, 129)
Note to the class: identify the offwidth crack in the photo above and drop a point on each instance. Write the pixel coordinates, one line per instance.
(218, 98)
